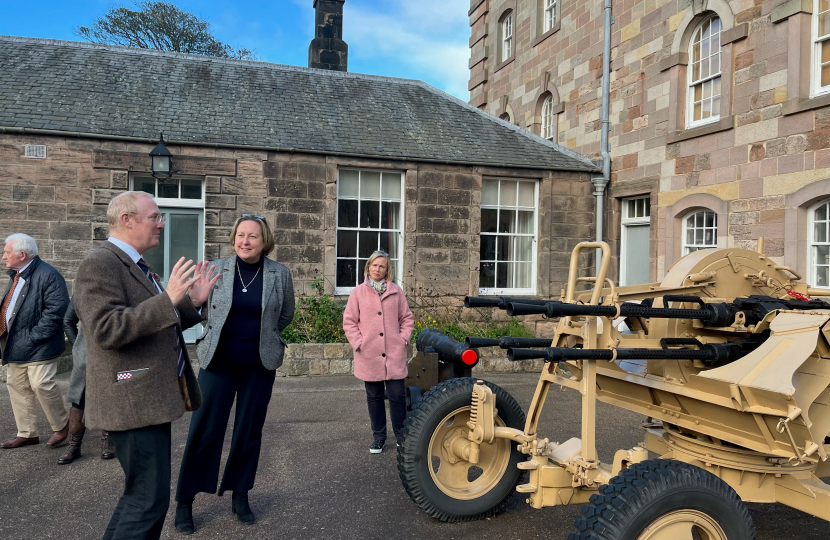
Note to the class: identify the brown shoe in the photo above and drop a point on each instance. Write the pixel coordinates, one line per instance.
(58, 437)
(76, 435)
(107, 451)
(17, 442)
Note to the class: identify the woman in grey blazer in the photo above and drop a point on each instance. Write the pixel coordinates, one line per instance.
(239, 352)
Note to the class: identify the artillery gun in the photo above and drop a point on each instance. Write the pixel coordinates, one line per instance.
(727, 357)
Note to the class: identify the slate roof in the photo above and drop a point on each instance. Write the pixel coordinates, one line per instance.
(106, 90)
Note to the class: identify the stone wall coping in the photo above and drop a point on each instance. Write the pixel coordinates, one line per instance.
(786, 10)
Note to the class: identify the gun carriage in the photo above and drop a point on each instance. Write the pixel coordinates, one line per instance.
(728, 358)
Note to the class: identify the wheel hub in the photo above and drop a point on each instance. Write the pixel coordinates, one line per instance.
(683, 524)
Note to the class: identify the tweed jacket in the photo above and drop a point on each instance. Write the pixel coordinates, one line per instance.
(77, 380)
(378, 329)
(277, 311)
(130, 327)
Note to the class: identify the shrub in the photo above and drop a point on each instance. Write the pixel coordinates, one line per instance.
(318, 318)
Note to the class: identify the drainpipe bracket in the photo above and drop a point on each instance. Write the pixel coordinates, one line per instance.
(600, 183)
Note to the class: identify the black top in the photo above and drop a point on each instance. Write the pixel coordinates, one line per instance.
(239, 341)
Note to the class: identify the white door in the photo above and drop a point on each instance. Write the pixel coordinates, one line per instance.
(183, 236)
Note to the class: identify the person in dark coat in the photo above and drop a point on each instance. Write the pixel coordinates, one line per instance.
(77, 390)
(139, 377)
(31, 341)
(239, 352)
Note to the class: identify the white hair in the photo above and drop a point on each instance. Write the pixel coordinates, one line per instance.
(23, 242)
(124, 203)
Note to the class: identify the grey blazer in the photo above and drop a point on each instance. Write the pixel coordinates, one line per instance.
(277, 311)
(131, 330)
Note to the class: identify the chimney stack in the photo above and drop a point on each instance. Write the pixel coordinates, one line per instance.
(328, 50)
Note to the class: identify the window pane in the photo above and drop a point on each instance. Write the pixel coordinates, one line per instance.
(821, 276)
(347, 213)
(709, 237)
(698, 237)
(823, 255)
(348, 184)
(147, 185)
(690, 236)
(191, 189)
(710, 219)
(524, 246)
(154, 257)
(369, 213)
(487, 249)
(507, 221)
(170, 189)
(526, 194)
(389, 243)
(184, 236)
(346, 273)
(503, 248)
(347, 243)
(390, 215)
(370, 185)
(821, 212)
(641, 207)
(488, 220)
(632, 209)
(508, 193)
(699, 219)
(391, 187)
(487, 275)
(825, 73)
(490, 193)
(502, 278)
(522, 274)
(823, 24)
(367, 243)
(525, 223)
(716, 106)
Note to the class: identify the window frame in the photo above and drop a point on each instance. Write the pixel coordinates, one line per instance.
(812, 265)
(397, 258)
(690, 248)
(496, 291)
(816, 89)
(691, 83)
(625, 223)
(547, 115)
(506, 25)
(169, 201)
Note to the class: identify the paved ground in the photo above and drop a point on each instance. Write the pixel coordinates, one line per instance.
(316, 479)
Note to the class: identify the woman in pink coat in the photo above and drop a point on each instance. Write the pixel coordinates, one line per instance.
(378, 325)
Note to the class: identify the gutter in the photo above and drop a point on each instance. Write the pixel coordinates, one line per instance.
(601, 182)
(151, 140)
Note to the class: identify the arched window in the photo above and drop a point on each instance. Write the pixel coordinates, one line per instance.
(821, 47)
(820, 244)
(700, 231)
(547, 118)
(507, 36)
(505, 117)
(704, 73)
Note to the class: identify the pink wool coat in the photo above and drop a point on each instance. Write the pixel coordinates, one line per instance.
(378, 329)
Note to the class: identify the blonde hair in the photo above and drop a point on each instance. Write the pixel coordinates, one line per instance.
(123, 203)
(268, 240)
(390, 275)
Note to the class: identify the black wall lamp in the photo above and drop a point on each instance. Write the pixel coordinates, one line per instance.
(162, 166)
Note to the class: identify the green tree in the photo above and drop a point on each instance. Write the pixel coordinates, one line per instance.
(161, 26)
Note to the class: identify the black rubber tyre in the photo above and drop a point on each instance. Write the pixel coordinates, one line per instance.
(413, 395)
(443, 409)
(652, 492)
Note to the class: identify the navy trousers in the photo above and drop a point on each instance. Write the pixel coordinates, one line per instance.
(144, 455)
(377, 408)
(251, 384)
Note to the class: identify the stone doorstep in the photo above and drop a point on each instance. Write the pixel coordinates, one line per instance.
(303, 359)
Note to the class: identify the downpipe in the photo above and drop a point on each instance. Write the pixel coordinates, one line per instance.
(601, 182)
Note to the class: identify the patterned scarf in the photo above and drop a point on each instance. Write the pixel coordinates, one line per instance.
(379, 286)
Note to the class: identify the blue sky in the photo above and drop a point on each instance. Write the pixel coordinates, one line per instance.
(415, 39)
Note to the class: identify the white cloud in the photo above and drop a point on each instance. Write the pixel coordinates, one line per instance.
(429, 37)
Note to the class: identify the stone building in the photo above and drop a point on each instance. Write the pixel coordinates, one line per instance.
(340, 164)
(720, 126)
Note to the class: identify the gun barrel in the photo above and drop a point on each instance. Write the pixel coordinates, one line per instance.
(476, 342)
(506, 342)
(501, 302)
(448, 349)
(714, 314)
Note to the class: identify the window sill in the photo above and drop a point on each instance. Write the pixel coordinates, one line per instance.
(504, 64)
(723, 124)
(547, 34)
(797, 105)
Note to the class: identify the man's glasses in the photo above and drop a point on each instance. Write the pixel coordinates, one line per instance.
(158, 218)
(253, 216)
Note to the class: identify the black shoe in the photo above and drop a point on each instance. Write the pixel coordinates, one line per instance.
(184, 518)
(240, 507)
(377, 447)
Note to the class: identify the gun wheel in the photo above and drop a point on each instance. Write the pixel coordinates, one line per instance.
(445, 486)
(663, 499)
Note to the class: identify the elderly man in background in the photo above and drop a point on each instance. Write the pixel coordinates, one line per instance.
(31, 340)
(139, 378)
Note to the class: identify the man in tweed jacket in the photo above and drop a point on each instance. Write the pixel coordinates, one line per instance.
(139, 377)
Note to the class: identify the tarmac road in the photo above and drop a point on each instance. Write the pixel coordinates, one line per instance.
(316, 478)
